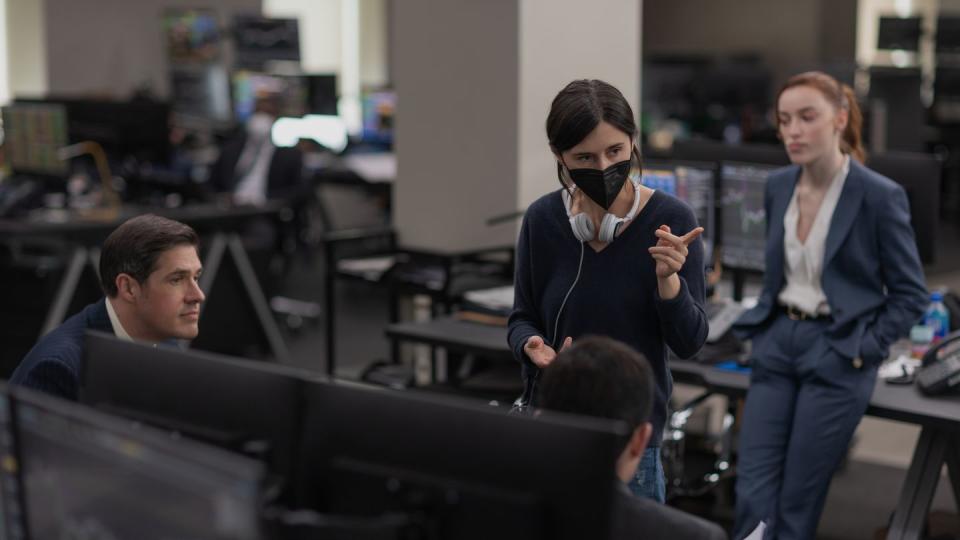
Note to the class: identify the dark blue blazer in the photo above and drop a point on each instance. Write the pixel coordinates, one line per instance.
(53, 364)
(871, 277)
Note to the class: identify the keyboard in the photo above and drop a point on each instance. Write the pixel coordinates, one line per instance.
(721, 314)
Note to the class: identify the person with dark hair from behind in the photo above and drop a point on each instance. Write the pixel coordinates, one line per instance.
(149, 268)
(602, 377)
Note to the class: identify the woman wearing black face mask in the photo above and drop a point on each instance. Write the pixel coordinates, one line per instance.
(605, 255)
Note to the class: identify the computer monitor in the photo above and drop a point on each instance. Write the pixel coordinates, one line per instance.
(948, 34)
(246, 406)
(920, 176)
(456, 468)
(899, 33)
(693, 183)
(946, 85)
(192, 36)
(322, 96)
(289, 92)
(201, 94)
(379, 109)
(138, 128)
(11, 493)
(90, 475)
(705, 150)
(258, 40)
(32, 134)
(743, 214)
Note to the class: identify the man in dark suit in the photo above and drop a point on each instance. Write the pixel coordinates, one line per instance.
(251, 169)
(599, 376)
(149, 268)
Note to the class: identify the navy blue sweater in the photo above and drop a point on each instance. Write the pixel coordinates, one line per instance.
(617, 293)
(53, 364)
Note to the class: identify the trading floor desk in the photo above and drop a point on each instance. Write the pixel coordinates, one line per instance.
(215, 223)
(939, 418)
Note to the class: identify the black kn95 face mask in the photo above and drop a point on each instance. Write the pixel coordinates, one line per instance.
(602, 186)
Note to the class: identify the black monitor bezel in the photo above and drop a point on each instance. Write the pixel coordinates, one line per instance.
(156, 385)
(419, 439)
(228, 465)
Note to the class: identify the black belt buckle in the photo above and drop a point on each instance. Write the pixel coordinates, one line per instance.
(795, 314)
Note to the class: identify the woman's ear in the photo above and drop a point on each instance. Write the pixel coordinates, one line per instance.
(841, 119)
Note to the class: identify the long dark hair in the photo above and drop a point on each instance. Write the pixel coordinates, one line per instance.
(579, 108)
(841, 96)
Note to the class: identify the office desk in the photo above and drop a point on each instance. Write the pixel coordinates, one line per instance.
(939, 418)
(443, 275)
(218, 224)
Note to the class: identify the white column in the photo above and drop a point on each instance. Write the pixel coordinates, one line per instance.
(474, 83)
(4, 68)
(350, 65)
(560, 42)
(26, 52)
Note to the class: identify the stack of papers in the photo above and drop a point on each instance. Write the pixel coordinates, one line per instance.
(371, 268)
(494, 299)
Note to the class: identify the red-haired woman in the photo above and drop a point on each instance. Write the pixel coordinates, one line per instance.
(843, 280)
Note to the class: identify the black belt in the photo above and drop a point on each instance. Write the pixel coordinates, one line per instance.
(796, 314)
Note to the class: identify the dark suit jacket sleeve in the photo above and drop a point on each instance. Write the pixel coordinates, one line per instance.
(52, 376)
(286, 179)
(902, 275)
(637, 518)
(221, 178)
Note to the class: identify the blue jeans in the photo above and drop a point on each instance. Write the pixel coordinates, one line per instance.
(648, 481)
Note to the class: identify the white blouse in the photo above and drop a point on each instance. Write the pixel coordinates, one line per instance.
(803, 261)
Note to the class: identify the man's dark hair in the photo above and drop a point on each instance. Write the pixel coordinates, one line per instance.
(599, 376)
(134, 247)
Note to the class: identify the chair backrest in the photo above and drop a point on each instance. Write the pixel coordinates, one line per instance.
(920, 175)
(347, 201)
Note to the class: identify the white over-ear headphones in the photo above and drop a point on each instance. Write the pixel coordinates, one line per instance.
(582, 225)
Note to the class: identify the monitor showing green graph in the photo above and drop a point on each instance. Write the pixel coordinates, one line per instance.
(692, 183)
(744, 220)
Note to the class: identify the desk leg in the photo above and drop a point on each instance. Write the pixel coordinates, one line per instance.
(953, 468)
(94, 258)
(211, 265)
(919, 486)
(255, 294)
(739, 279)
(394, 317)
(220, 245)
(329, 283)
(66, 291)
